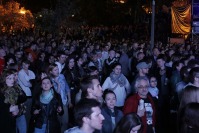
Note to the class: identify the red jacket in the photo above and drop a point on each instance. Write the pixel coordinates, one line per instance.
(131, 106)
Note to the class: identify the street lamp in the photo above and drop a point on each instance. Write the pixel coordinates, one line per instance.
(152, 25)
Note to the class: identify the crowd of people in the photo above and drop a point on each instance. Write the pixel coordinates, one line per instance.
(97, 80)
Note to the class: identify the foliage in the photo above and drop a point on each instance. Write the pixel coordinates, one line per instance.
(15, 18)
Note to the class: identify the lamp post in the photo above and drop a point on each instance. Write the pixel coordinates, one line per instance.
(152, 25)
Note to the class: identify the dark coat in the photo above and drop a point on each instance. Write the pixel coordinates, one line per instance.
(7, 121)
(53, 125)
(107, 123)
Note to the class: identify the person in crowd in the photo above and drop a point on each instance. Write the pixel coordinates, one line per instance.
(124, 61)
(45, 108)
(142, 104)
(25, 81)
(62, 88)
(153, 90)
(193, 77)
(88, 116)
(130, 123)
(111, 114)
(107, 68)
(119, 84)
(91, 88)
(13, 98)
(188, 118)
(61, 59)
(143, 70)
(79, 67)
(189, 94)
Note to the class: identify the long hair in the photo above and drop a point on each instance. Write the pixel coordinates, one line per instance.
(128, 122)
(190, 94)
(189, 119)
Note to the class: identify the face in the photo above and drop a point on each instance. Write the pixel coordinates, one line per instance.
(135, 129)
(112, 54)
(117, 69)
(110, 100)
(145, 70)
(96, 119)
(10, 79)
(80, 61)
(71, 63)
(25, 66)
(160, 62)
(55, 71)
(46, 84)
(142, 88)
(156, 52)
(96, 91)
(2, 53)
(18, 55)
(62, 59)
(153, 82)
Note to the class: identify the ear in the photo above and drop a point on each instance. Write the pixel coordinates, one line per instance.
(89, 90)
(85, 120)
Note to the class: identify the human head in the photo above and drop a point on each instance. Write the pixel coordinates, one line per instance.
(92, 70)
(141, 86)
(46, 84)
(194, 75)
(91, 87)
(109, 98)
(143, 68)
(117, 68)
(2, 53)
(70, 61)
(25, 64)
(53, 70)
(87, 112)
(153, 81)
(188, 118)
(61, 56)
(8, 78)
(161, 59)
(127, 123)
(189, 94)
(112, 53)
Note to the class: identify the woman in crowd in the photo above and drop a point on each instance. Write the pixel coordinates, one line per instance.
(11, 99)
(118, 83)
(130, 123)
(111, 114)
(46, 105)
(188, 119)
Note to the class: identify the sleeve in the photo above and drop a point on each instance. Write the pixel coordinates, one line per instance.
(24, 80)
(130, 106)
(128, 87)
(64, 84)
(106, 84)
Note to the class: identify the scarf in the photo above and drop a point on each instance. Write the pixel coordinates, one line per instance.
(45, 98)
(119, 79)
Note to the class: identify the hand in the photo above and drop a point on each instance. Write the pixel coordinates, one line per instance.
(140, 113)
(14, 109)
(59, 109)
(36, 111)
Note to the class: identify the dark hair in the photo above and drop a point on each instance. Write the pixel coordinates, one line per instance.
(115, 64)
(128, 122)
(5, 73)
(107, 91)
(85, 83)
(194, 72)
(84, 109)
(188, 119)
(91, 69)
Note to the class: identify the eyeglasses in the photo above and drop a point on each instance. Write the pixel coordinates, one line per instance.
(143, 87)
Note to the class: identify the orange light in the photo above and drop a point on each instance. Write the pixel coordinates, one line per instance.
(22, 11)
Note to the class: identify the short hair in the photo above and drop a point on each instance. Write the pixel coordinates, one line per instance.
(194, 72)
(51, 67)
(162, 56)
(84, 109)
(91, 69)
(138, 79)
(188, 118)
(128, 122)
(85, 83)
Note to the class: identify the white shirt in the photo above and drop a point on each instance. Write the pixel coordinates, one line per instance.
(24, 81)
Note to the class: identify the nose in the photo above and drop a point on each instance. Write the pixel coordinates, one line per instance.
(102, 117)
